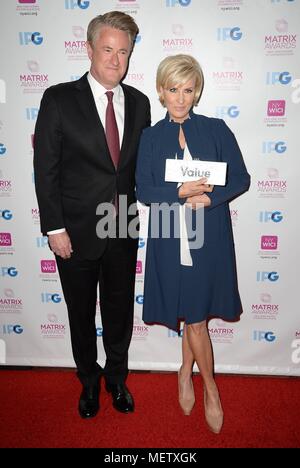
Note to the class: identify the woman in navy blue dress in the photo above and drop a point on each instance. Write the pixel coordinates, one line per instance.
(183, 282)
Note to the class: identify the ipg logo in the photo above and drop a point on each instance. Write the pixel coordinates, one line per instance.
(51, 297)
(31, 113)
(142, 243)
(9, 329)
(71, 4)
(227, 111)
(270, 146)
(2, 149)
(139, 299)
(27, 37)
(267, 276)
(278, 77)
(224, 34)
(6, 214)
(173, 3)
(259, 335)
(8, 271)
(42, 242)
(266, 216)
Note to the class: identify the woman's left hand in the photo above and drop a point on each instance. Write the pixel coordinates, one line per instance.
(197, 199)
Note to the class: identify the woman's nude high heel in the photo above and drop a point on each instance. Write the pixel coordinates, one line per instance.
(186, 395)
(214, 416)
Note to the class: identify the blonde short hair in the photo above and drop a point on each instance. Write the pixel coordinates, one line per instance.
(176, 70)
(113, 19)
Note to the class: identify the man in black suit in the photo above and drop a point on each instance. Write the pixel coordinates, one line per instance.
(86, 141)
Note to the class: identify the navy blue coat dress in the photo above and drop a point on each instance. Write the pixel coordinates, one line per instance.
(208, 288)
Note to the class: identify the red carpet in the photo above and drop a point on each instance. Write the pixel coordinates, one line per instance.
(39, 409)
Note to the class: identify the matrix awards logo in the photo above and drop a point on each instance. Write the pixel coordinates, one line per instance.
(234, 217)
(269, 247)
(6, 188)
(9, 303)
(75, 48)
(32, 80)
(273, 186)
(228, 77)
(27, 7)
(140, 330)
(230, 5)
(221, 332)
(177, 41)
(135, 77)
(53, 328)
(35, 216)
(282, 42)
(265, 309)
(128, 6)
(6, 246)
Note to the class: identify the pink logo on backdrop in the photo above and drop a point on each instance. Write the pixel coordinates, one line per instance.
(5, 239)
(33, 66)
(281, 25)
(27, 1)
(265, 297)
(48, 266)
(276, 108)
(139, 267)
(78, 31)
(269, 242)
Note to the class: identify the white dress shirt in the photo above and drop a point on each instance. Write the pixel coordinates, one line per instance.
(101, 101)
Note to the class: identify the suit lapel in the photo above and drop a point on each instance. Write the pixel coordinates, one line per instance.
(129, 119)
(90, 114)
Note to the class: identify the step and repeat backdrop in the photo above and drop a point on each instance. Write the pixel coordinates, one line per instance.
(249, 51)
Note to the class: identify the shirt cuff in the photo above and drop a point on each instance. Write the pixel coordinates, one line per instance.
(56, 231)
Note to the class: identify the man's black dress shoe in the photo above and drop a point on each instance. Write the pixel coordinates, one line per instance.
(89, 401)
(122, 398)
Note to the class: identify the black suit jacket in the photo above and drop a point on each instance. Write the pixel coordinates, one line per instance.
(73, 168)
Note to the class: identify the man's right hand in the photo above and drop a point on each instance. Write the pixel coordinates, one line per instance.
(60, 244)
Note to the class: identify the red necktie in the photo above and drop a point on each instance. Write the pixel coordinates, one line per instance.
(111, 130)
